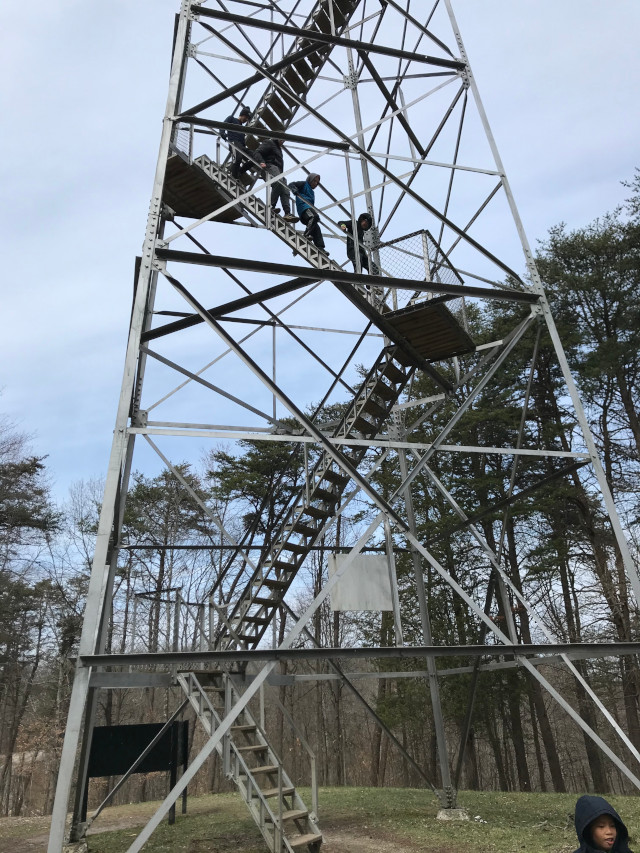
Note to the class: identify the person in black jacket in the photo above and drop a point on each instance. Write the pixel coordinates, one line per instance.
(363, 224)
(237, 139)
(599, 827)
(270, 158)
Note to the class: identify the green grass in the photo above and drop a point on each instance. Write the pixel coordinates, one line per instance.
(536, 823)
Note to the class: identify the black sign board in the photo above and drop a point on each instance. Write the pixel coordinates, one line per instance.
(115, 748)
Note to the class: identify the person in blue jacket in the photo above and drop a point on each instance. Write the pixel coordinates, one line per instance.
(304, 192)
(599, 827)
(237, 139)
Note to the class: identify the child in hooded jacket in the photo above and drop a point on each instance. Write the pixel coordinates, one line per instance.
(599, 827)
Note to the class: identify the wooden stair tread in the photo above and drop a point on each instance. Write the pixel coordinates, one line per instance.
(303, 840)
(294, 814)
(275, 792)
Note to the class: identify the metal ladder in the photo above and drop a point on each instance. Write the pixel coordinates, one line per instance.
(248, 759)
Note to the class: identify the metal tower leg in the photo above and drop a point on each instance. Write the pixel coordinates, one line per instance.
(94, 611)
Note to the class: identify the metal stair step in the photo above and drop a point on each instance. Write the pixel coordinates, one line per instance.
(248, 638)
(317, 512)
(323, 21)
(295, 81)
(257, 620)
(295, 547)
(258, 747)
(304, 529)
(319, 56)
(364, 426)
(244, 727)
(392, 372)
(279, 107)
(381, 389)
(270, 119)
(304, 69)
(335, 477)
(272, 583)
(282, 565)
(373, 408)
(325, 495)
(303, 840)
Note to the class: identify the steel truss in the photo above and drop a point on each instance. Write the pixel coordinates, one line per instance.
(380, 98)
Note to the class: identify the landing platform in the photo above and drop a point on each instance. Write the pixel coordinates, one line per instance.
(432, 329)
(190, 192)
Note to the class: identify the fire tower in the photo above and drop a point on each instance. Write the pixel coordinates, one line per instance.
(245, 327)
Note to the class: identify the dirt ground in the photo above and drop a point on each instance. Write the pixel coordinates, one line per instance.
(31, 834)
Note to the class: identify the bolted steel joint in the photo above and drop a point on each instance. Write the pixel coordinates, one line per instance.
(351, 80)
(139, 418)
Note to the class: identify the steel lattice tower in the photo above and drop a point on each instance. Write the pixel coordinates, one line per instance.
(232, 339)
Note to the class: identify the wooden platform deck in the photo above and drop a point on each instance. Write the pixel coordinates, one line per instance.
(190, 192)
(432, 329)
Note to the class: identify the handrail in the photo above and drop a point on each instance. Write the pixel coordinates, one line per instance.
(191, 679)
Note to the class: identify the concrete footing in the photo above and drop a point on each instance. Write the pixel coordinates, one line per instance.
(76, 847)
(452, 814)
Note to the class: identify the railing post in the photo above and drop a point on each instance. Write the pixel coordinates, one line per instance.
(278, 839)
(314, 787)
(226, 743)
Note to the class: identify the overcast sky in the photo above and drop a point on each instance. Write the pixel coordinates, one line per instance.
(82, 101)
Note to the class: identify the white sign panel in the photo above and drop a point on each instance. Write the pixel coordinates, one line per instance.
(365, 584)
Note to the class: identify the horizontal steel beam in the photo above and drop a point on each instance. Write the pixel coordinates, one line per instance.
(251, 265)
(326, 38)
(113, 680)
(256, 434)
(187, 659)
(228, 307)
(261, 131)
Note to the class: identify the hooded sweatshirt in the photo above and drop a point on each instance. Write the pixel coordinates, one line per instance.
(304, 193)
(588, 808)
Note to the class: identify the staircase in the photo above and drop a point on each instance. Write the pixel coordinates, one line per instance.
(315, 504)
(271, 797)
(261, 213)
(277, 108)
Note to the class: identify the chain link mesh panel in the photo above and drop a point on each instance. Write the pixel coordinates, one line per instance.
(417, 256)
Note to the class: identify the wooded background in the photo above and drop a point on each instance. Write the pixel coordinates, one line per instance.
(559, 552)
